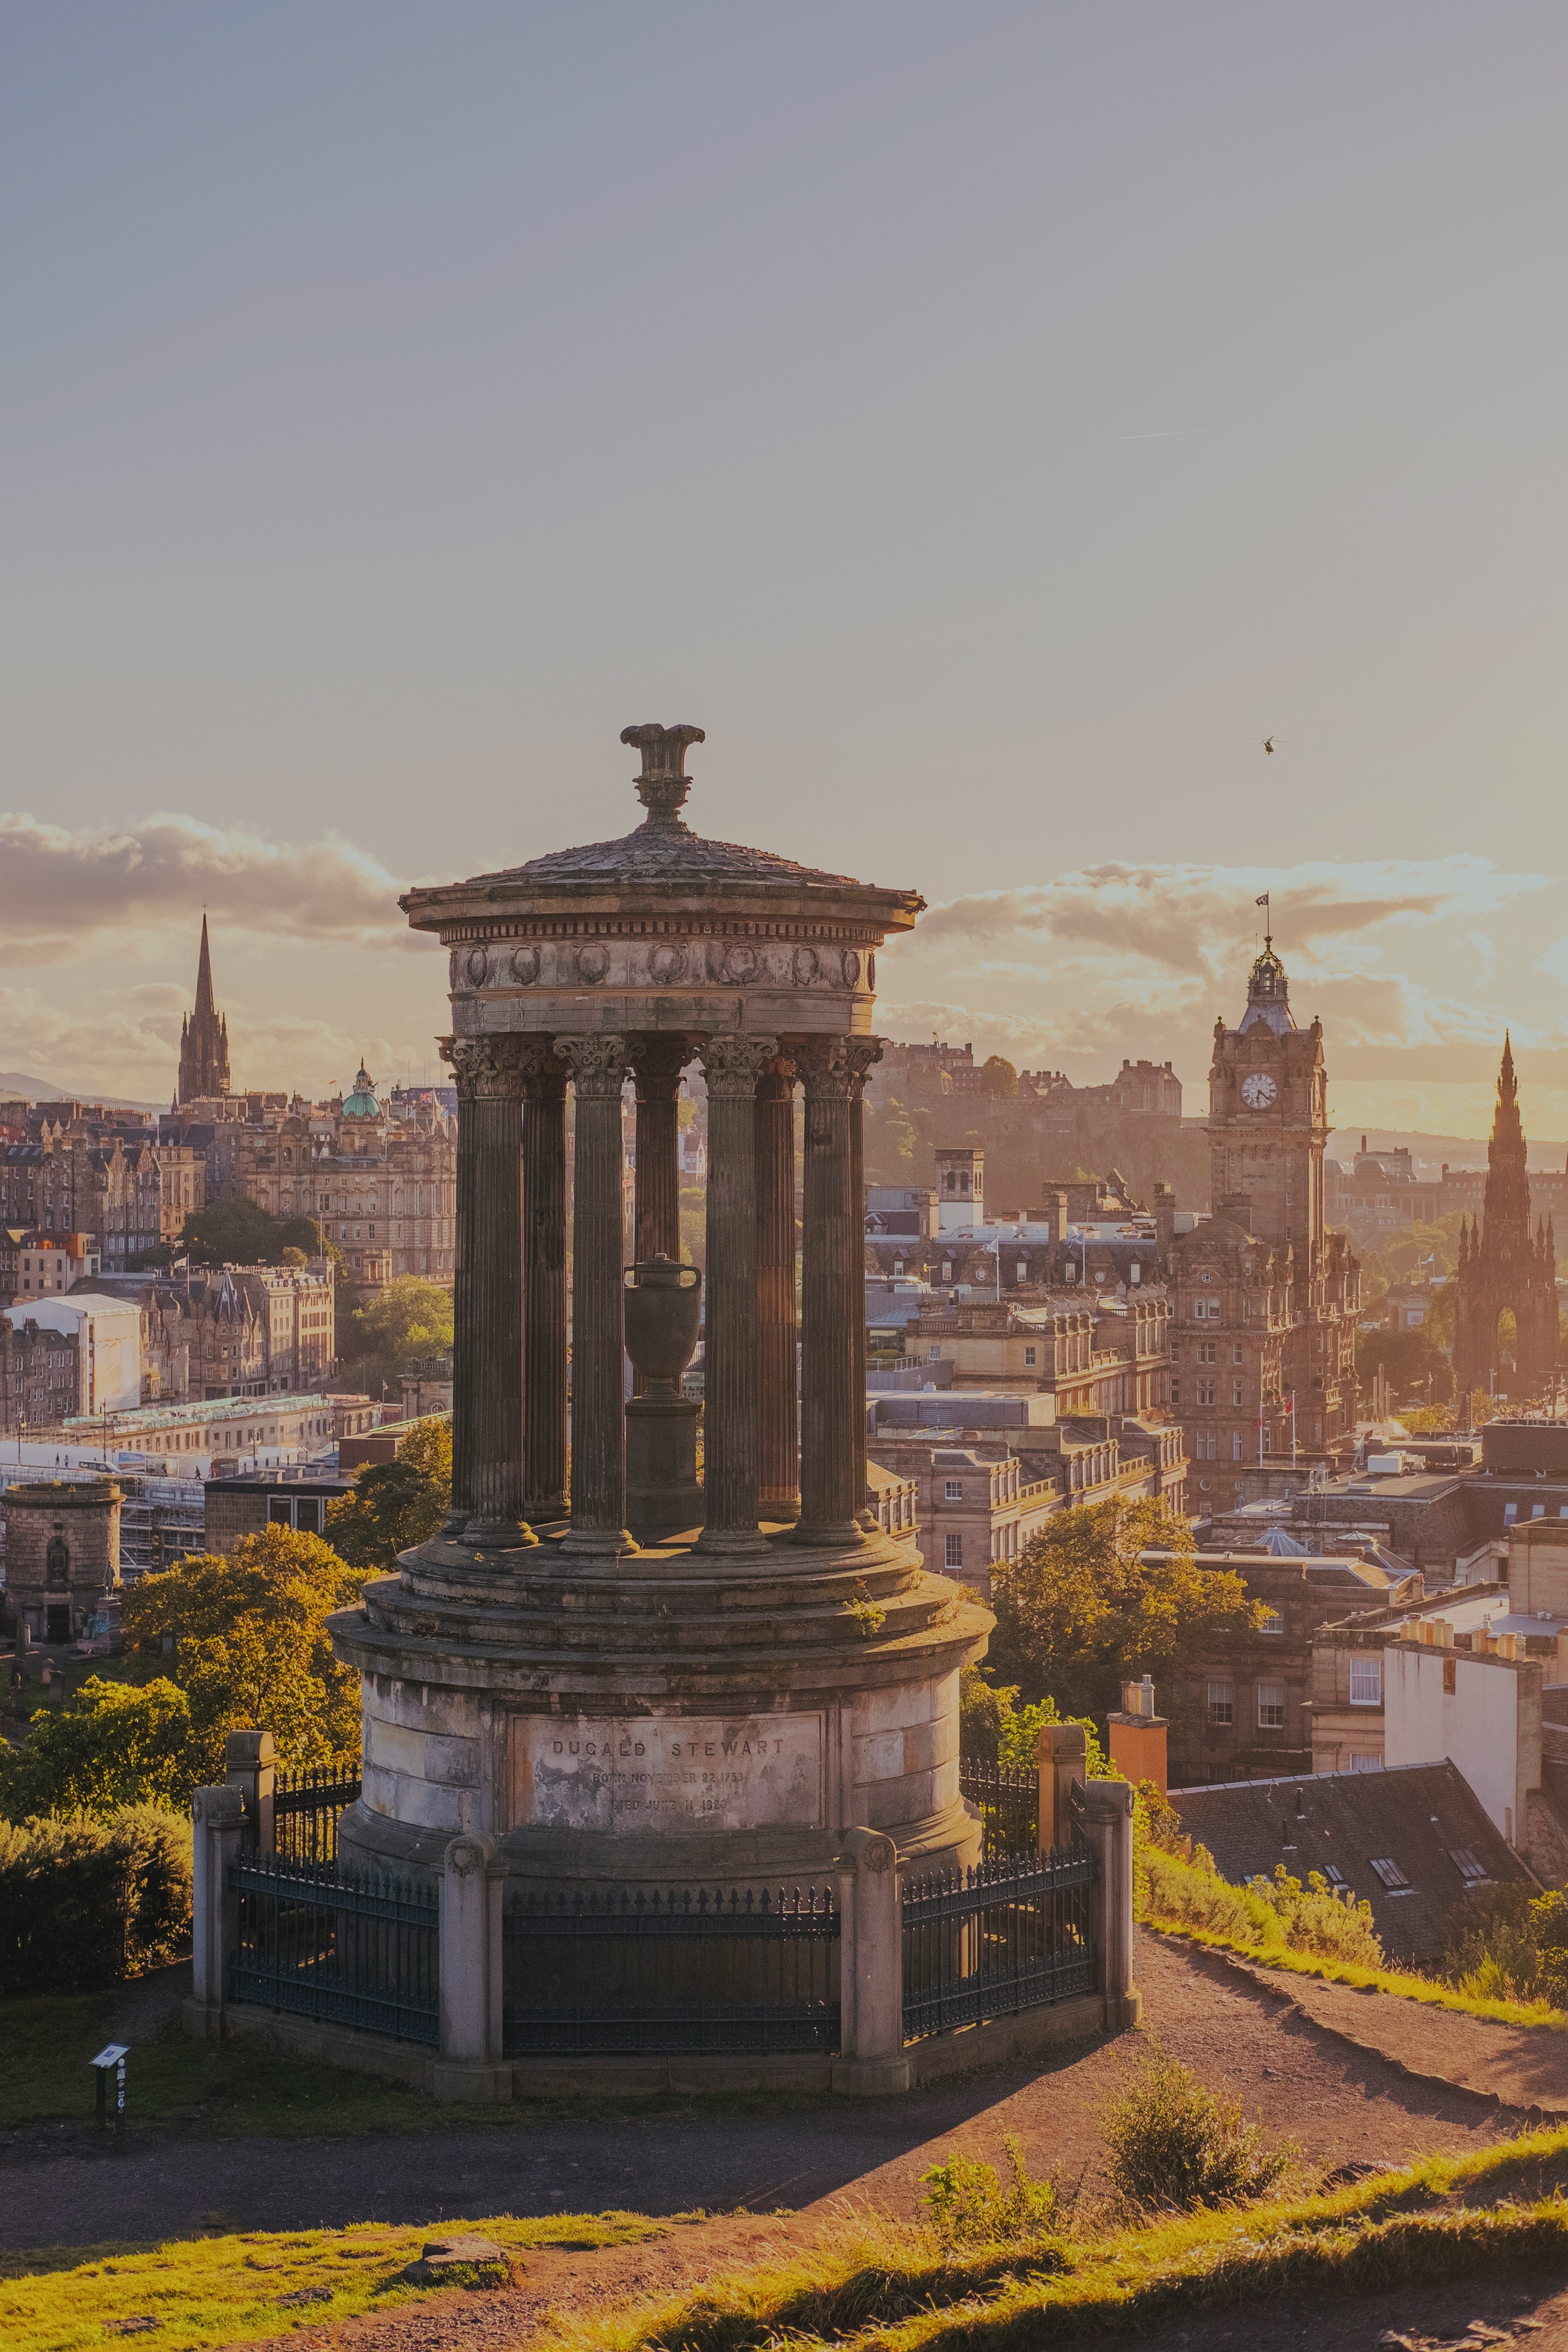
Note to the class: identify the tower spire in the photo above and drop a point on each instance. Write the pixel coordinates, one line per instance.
(204, 1038)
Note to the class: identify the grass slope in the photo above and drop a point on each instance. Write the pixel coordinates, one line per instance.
(884, 2288)
(1391, 1980)
(230, 2290)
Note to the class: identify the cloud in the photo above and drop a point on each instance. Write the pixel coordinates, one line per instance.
(1184, 916)
(63, 892)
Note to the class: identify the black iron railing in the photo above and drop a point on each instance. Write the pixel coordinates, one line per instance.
(1013, 1934)
(623, 1974)
(1008, 1805)
(350, 1953)
(305, 1809)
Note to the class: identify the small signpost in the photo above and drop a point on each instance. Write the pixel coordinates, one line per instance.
(111, 2060)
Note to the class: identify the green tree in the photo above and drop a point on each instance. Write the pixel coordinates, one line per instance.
(113, 1745)
(1409, 1360)
(995, 1729)
(1085, 1606)
(396, 1504)
(407, 1319)
(232, 1231)
(245, 1636)
(998, 1077)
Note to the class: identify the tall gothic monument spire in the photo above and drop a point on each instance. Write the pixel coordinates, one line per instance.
(204, 1038)
(1508, 1269)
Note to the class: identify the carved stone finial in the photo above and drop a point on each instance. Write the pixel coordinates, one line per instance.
(663, 783)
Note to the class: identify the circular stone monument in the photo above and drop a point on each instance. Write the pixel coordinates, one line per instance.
(723, 1701)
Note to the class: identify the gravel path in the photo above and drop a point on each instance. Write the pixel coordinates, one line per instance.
(62, 2186)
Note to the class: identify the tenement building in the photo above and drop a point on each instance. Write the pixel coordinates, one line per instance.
(1264, 1301)
(383, 1189)
(130, 1195)
(231, 1331)
(1505, 1332)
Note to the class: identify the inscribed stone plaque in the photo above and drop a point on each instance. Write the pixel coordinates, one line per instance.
(667, 1772)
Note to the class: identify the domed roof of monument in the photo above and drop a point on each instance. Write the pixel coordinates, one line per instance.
(664, 847)
(362, 1103)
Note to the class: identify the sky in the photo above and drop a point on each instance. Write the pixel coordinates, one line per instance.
(989, 423)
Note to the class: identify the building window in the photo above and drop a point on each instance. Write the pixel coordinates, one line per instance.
(1236, 1396)
(1237, 1356)
(1236, 1445)
(1175, 1390)
(947, 1269)
(952, 1552)
(898, 1266)
(1472, 1871)
(953, 1490)
(1030, 1355)
(1205, 1391)
(1272, 1622)
(1392, 1878)
(1222, 1705)
(1366, 1682)
(1206, 1444)
(1203, 1352)
(1271, 1706)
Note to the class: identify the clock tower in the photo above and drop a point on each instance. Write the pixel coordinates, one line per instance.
(1268, 1116)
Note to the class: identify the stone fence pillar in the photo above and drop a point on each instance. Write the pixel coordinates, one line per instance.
(217, 1823)
(469, 2066)
(1105, 1812)
(250, 1764)
(1060, 1760)
(871, 1966)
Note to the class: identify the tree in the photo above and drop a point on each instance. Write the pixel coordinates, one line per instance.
(245, 1636)
(998, 1077)
(406, 1319)
(113, 1745)
(232, 1231)
(396, 1504)
(1082, 1609)
(1409, 1360)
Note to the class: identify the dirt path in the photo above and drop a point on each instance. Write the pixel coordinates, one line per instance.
(61, 2186)
(1521, 2066)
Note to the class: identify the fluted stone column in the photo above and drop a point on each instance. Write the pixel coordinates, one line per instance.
(863, 1052)
(544, 1281)
(731, 1387)
(778, 1320)
(832, 1297)
(598, 1067)
(487, 1295)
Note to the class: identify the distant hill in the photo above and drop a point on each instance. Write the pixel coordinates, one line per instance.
(17, 1087)
(1458, 1150)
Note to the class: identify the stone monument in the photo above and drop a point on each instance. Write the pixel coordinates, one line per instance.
(728, 1700)
(62, 1554)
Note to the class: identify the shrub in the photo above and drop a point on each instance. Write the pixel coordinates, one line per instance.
(84, 1902)
(1171, 2142)
(970, 2206)
(110, 1746)
(1177, 1881)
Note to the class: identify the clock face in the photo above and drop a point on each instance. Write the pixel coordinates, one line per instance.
(1258, 1090)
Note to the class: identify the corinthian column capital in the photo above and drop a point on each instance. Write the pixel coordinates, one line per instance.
(599, 1064)
(862, 1055)
(732, 1065)
(826, 1072)
(543, 1071)
(487, 1069)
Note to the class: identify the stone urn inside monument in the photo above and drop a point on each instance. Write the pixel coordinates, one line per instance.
(664, 1315)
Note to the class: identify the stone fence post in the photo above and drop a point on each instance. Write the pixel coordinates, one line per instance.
(871, 1966)
(1060, 1760)
(470, 2066)
(218, 1821)
(250, 1764)
(1104, 1814)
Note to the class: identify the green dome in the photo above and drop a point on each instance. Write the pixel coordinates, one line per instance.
(362, 1103)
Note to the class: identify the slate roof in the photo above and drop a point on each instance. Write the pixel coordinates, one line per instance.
(665, 848)
(1416, 1816)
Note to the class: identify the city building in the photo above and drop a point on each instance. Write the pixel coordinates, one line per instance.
(130, 1195)
(1505, 1271)
(221, 1331)
(1379, 1194)
(383, 1189)
(203, 1037)
(1094, 1354)
(35, 1264)
(214, 1439)
(1264, 1300)
(1246, 1709)
(103, 1337)
(40, 1374)
(297, 1499)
